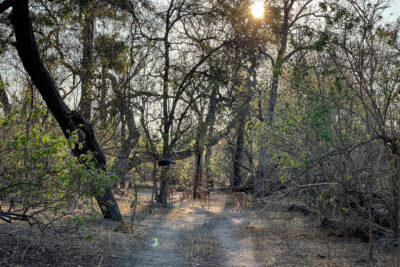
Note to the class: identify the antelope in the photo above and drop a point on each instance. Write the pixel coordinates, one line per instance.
(246, 199)
(239, 200)
(171, 194)
(204, 194)
(186, 194)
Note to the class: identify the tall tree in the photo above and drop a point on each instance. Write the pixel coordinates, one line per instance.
(287, 15)
(88, 10)
(369, 66)
(176, 73)
(69, 121)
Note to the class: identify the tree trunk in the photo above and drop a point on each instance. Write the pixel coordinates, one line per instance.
(154, 177)
(4, 98)
(261, 174)
(163, 196)
(167, 118)
(237, 158)
(68, 120)
(103, 107)
(240, 131)
(198, 173)
(273, 97)
(395, 151)
(210, 121)
(87, 64)
(262, 167)
(207, 167)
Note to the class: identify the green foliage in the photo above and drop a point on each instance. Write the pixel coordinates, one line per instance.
(111, 53)
(320, 116)
(38, 174)
(322, 41)
(184, 172)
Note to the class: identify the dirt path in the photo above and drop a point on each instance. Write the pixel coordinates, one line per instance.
(192, 236)
(238, 248)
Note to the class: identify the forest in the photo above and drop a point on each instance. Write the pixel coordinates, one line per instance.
(199, 133)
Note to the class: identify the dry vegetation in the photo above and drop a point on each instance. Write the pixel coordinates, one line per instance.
(190, 236)
(285, 238)
(95, 244)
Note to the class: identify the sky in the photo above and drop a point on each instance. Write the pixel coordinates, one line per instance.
(395, 9)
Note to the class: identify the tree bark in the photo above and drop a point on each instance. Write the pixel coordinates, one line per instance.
(395, 152)
(162, 197)
(154, 177)
(237, 158)
(87, 64)
(207, 167)
(201, 137)
(4, 98)
(262, 171)
(240, 131)
(198, 172)
(166, 120)
(210, 121)
(68, 120)
(262, 167)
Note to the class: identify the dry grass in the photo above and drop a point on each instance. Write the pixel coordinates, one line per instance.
(276, 238)
(95, 244)
(282, 238)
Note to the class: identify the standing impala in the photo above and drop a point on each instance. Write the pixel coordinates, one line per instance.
(186, 194)
(204, 196)
(239, 200)
(171, 194)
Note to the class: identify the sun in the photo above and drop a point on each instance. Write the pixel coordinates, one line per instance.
(257, 9)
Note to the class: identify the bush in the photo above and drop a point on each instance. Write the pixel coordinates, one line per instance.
(40, 181)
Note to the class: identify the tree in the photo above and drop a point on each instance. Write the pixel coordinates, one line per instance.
(369, 67)
(69, 121)
(287, 15)
(176, 73)
(88, 9)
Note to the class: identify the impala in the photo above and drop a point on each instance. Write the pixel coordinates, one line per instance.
(204, 195)
(186, 194)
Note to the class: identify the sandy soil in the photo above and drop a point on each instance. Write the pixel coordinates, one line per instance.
(273, 236)
(193, 236)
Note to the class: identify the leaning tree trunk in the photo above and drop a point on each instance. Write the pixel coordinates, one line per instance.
(68, 120)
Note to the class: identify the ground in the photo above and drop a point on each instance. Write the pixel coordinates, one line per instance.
(188, 235)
